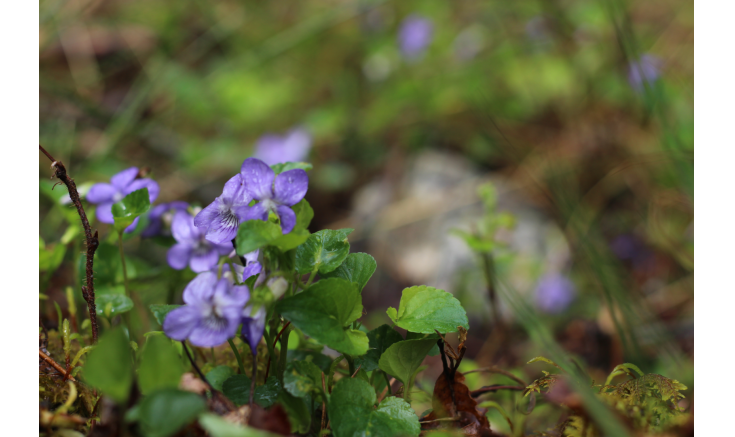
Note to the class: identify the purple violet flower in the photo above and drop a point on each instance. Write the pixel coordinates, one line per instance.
(554, 293)
(253, 326)
(191, 247)
(275, 193)
(122, 184)
(212, 313)
(220, 219)
(294, 146)
(160, 217)
(252, 267)
(645, 70)
(414, 36)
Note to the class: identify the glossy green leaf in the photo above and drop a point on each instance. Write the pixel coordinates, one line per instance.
(304, 214)
(161, 311)
(324, 310)
(112, 304)
(237, 389)
(109, 366)
(160, 365)
(254, 234)
(403, 358)
(302, 378)
(324, 251)
(357, 267)
(219, 375)
(380, 338)
(351, 412)
(130, 207)
(286, 166)
(166, 411)
(425, 309)
(216, 426)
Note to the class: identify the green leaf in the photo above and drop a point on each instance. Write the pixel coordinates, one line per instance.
(302, 378)
(323, 312)
(357, 267)
(109, 366)
(425, 309)
(219, 427)
(324, 250)
(298, 412)
(161, 311)
(50, 258)
(416, 336)
(112, 304)
(380, 339)
(130, 207)
(402, 359)
(286, 166)
(304, 214)
(160, 365)
(254, 234)
(164, 412)
(107, 266)
(320, 360)
(351, 412)
(237, 389)
(219, 375)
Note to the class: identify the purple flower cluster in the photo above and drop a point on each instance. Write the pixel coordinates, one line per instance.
(294, 146)
(160, 218)
(192, 248)
(104, 195)
(414, 36)
(643, 71)
(213, 310)
(554, 293)
(201, 240)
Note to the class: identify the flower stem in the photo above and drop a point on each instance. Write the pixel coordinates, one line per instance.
(311, 278)
(124, 266)
(237, 356)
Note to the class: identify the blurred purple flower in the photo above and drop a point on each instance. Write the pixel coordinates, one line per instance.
(253, 326)
(414, 36)
(122, 184)
(275, 193)
(211, 314)
(252, 267)
(294, 146)
(221, 218)
(645, 70)
(160, 217)
(554, 293)
(191, 247)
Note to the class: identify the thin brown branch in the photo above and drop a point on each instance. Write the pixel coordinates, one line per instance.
(356, 370)
(196, 368)
(92, 240)
(385, 390)
(55, 365)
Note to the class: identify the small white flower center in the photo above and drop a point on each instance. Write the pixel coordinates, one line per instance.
(269, 204)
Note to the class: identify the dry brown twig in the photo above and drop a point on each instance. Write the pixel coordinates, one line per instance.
(92, 240)
(56, 366)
